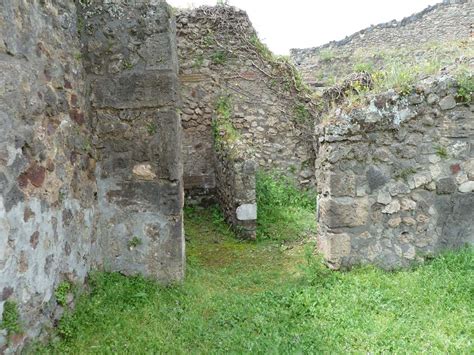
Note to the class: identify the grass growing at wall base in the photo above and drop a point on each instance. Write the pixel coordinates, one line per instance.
(242, 297)
(284, 211)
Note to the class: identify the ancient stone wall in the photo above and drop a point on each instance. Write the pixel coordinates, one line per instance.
(428, 35)
(236, 189)
(396, 177)
(47, 161)
(131, 64)
(221, 56)
(90, 159)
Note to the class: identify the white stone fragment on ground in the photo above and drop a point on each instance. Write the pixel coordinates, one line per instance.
(247, 212)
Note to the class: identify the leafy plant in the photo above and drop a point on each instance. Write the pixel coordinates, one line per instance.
(364, 67)
(222, 127)
(219, 57)
(11, 318)
(61, 293)
(134, 242)
(466, 86)
(127, 65)
(301, 113)
(261, 48)
(151, 128)
(405, 173)
(326, 55)
(198, 61)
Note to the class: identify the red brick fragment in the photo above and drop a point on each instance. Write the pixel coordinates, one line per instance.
(455, 168)
(77, 116)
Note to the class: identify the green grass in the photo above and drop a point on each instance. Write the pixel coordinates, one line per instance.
(10, 318)
(284, 212)
(273, 297)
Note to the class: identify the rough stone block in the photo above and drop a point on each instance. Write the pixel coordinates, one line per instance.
(152, 89)
(339, 184)
(334, 248)
(446, 186)
(376, 178)
(343, 211)
(421, 179)
(392, 207)
(447, 103)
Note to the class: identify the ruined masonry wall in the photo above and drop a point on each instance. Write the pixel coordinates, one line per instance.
(90, 161)
(216, 60)
(449, 21)
(236, 188)
(48, 189)
(396, 178)
(131, 64)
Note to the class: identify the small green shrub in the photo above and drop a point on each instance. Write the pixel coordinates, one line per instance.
(198, 61)
(61, 293)
(219, 57)
(326, 55)
(261, 48)
(151, 128)
(364, 67)
(77, 55)
(11, 318)
(222, 127)
(134, 242)
(127, 65)
(301, 113)
(466, 87)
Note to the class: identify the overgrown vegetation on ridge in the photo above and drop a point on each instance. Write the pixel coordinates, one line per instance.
(397, 69)
(257, 297)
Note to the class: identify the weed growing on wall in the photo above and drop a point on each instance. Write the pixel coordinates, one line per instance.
(61, 293)
(151, 128)
(363, 67)
(301, 113)
(11, 318)
(222, 127)
(284, 211)
(442, 152)
(466, 86)
(219, 57)
(404, 174)
(134, 242)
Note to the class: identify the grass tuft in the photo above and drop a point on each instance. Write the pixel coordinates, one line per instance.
(284, 211)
